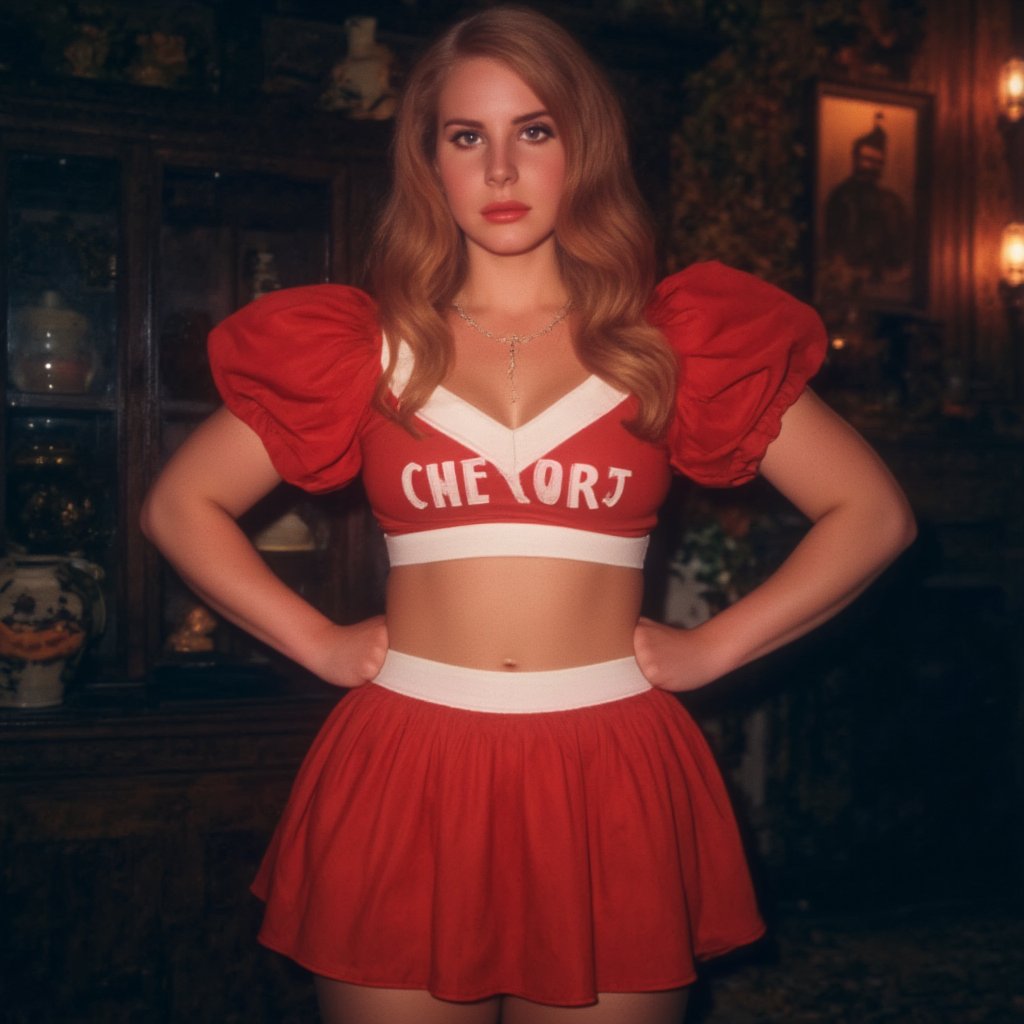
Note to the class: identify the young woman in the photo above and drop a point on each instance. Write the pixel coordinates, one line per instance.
(509, 814)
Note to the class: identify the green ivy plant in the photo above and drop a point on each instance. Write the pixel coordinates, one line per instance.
(741, 151)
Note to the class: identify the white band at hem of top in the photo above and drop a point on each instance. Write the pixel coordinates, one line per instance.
(520, 540)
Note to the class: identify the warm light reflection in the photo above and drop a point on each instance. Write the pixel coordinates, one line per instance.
(1012, 255)
(1011, 89)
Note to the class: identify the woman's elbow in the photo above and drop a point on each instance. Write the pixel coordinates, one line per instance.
(881, 523)
(909, 528)
(897, 523)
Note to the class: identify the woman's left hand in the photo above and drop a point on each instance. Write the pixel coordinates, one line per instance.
(674, 659)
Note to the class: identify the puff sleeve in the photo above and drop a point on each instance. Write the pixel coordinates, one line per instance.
(300, 366)
(746, 350)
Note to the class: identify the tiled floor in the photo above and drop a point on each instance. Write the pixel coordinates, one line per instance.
(953, 964)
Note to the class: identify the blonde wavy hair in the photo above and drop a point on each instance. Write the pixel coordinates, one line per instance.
(603, 237)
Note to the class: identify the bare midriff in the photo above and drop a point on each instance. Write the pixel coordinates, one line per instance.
(514, 614)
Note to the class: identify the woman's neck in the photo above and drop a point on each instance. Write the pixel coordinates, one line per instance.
(510, 286)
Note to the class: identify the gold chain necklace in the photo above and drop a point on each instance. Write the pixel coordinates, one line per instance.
(513, 340)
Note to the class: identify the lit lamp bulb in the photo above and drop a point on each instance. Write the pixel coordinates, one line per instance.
(1011, 89)
(1012, 256)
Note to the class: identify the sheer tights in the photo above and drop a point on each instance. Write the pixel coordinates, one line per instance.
(341, 1003)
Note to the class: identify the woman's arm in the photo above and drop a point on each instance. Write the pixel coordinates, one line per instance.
(190, 514)
(861, 522)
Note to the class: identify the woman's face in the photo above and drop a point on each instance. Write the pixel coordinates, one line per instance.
(499, 157)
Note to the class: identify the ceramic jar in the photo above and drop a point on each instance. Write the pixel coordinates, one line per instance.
(50, 607)
(361, 83)
(51, 508)
(50, 350)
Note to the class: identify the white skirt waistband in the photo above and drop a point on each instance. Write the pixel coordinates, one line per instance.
(473, 689)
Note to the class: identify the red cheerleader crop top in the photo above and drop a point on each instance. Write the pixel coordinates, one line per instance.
(300, 367)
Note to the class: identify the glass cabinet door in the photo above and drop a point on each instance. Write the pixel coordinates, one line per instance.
(227, 237)
(119, 260)
(63, 226)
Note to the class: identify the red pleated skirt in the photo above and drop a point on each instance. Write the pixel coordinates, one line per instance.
(550, 855)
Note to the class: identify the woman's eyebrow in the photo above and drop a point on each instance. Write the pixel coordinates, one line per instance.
(469, 122)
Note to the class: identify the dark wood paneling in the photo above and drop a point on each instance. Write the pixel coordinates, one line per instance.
(129, 845)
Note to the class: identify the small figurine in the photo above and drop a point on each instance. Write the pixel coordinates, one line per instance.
(87, 54)
(361, 83)
(195, 634)
(262, 267)
(162, 60)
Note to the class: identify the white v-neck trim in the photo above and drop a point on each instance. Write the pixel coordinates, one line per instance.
(509, 449)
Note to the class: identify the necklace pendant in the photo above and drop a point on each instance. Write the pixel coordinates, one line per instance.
(513, 340)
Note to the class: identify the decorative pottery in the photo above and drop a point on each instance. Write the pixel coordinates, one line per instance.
(289, 532)
(50, 504)
(50, 351)
(361, 83)
(50, 607)
(263, 273)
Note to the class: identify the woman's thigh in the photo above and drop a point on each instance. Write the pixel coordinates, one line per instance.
(341, 1003)
(611, 1008)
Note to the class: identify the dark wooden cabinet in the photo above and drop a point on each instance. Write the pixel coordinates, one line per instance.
(129, 842)
(131, 229)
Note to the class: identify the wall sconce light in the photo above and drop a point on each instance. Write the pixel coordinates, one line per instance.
(1011, 288)
(1011, 89)
(1011, 257)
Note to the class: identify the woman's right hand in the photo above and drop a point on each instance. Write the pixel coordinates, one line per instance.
(351, 655)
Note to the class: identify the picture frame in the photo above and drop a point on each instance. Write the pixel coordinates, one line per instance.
(871, 198)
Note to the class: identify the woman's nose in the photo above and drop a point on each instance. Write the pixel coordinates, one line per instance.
(501, 165)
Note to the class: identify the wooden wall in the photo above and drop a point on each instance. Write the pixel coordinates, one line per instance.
(966, 44)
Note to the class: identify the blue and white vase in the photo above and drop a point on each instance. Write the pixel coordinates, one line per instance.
(50, 608)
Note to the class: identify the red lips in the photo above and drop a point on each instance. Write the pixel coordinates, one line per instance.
(504, 213)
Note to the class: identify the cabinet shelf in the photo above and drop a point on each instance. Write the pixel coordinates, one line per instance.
(31, 402)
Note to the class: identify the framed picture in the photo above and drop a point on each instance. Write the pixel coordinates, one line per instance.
(871, 196)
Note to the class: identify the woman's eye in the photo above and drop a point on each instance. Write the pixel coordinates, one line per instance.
(538, 132)
(466, 138)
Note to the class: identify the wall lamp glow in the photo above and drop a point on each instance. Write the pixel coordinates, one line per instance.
(1011, 89)
(1011, 257)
